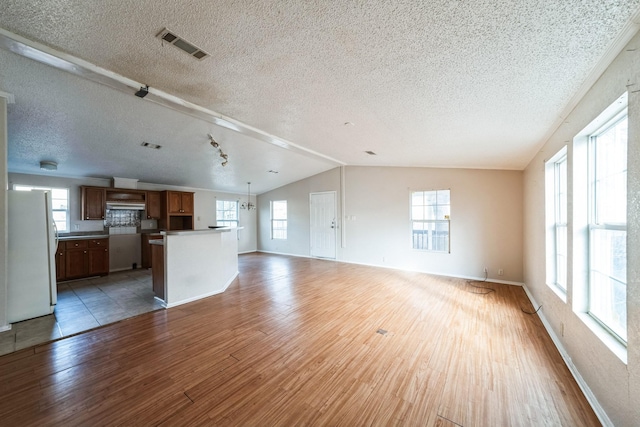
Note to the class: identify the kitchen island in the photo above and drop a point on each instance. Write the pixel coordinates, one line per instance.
(191, 264)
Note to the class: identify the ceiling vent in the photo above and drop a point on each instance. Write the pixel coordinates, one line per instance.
(171, 38)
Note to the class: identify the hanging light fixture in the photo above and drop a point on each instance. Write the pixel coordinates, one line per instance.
(248, 205)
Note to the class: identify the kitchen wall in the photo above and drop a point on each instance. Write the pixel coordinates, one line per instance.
(614, 383)
(486, 219)
(204, 204)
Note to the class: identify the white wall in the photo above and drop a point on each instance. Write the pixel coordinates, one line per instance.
(486, 219)
(298, 214)
(616, 385)
(3, 214)
(204, 204)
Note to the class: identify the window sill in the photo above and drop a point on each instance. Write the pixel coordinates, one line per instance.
(561, 293)
(616, 347)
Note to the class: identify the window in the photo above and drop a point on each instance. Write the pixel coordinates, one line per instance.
(556, 219)
(59, 203)
(430, 212)
(607, 225)
(279, 219)
(227, 213)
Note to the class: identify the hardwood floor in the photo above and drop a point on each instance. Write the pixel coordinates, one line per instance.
(296, 341)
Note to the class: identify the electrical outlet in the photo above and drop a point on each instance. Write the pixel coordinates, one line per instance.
(76, 227)
(500, 272)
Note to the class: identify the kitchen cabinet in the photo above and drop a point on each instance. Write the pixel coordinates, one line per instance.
(60, 262)
(176, 210)
(82, 258)
(180, 202)
(153, 205)
(93, 203)
(98, 257)
(157, 272)
(146, 248)
(76, 259)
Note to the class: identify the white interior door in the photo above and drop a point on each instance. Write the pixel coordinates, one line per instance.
(323, 224)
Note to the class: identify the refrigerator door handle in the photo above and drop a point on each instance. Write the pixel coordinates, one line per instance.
(55, 229)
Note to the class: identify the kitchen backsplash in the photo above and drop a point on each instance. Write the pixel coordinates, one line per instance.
(122, 218)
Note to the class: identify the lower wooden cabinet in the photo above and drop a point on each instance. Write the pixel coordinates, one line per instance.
(146, 248)
(82, 258)
(61, 271)
(98, 257)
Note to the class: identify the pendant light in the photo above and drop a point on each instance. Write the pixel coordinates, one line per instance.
(248, 205)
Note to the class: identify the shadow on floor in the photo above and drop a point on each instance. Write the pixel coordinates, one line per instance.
(83, 305)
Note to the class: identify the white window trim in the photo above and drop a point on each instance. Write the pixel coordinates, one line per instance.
(236, 221)
(579, 227)
(551, 217)
(272, 219)
(429, 221)
(592, 222)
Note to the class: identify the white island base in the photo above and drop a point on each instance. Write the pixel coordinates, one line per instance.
(194, 264)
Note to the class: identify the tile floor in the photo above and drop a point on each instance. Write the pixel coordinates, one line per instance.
(83, 305)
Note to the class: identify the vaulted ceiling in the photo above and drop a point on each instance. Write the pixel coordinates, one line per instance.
(295, 87)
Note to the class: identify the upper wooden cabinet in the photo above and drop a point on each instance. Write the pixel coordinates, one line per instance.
(153, 205)
(177, 210)
(93, 203)
(180, 202)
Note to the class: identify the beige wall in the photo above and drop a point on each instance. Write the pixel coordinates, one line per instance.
(614, 384)
(297, 197)
(376, 226)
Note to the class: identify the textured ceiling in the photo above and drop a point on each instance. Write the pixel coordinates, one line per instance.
(440, 83)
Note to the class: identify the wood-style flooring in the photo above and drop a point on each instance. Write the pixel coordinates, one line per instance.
(298, 341)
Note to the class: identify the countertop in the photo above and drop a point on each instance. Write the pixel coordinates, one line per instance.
(83, 235)
(201, 231)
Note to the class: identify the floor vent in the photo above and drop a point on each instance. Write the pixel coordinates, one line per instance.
(381, 332)
(182, 44)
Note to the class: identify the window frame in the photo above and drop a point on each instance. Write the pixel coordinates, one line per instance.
(67, 219)
(446, 219)
(557, 203)
(223, 222)
(594, 224)
(279, 226)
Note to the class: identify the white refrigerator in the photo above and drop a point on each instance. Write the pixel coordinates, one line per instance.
(32, 244)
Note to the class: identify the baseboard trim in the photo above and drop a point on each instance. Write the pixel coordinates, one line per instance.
(5, 328)
(210, 294)
(591, 398)
(480, 279)
(284, 253)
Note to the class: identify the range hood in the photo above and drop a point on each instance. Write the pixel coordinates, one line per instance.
(126, 205)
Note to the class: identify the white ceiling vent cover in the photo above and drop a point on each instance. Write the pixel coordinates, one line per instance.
(171, 38)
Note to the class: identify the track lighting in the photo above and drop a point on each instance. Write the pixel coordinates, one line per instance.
(144, 91)
(215, 144)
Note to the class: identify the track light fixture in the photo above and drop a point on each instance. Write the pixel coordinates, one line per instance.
(215, 144)
(144, 91)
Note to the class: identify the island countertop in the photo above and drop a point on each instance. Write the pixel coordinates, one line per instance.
(200, 231)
